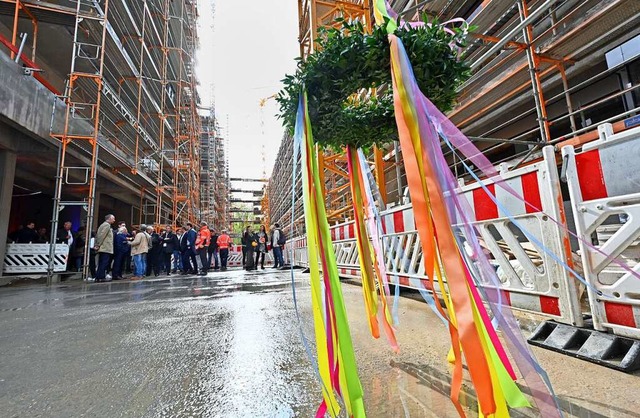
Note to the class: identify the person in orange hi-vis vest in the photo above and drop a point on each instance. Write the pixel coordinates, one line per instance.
(202, 247)
(224, 241)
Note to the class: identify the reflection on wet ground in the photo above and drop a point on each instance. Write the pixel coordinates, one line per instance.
(216, 346)
(228, 345)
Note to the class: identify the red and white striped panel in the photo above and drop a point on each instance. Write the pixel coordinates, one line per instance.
(235, 256)
(601, 174)
(526, 186)
(400, 221)
(343, 232)
(532, 303)
(603, 171)
(622, 314)
(299, 242)
(349, 272)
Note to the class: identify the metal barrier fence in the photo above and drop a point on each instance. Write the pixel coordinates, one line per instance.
(604, 184)
(34, 258)
(530, 279)
(299, 253)
(235, 257)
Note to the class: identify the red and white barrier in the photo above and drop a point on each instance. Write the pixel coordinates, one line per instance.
(343, 232)
(299, 252)
(604, 185)
(235, 257)
(531, 280)
(543, 287)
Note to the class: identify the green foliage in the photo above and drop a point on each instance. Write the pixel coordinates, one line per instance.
(350, 61)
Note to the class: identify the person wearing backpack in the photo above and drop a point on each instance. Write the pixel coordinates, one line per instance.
(278, 240)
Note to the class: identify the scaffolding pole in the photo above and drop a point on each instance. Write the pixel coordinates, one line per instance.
(88, 108)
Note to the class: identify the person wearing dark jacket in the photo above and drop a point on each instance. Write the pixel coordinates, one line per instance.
(188, 250)
(78, 250)
(121, 248)
(65, 235)
(43, 238)
(126, 267)
(278, 240)
(213, 250)
(251, 241)
(154, 256)
(169, 245)
(261, 249)
(28, 234)
(244, 250)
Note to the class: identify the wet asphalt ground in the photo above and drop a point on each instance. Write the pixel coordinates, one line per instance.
(228, 345)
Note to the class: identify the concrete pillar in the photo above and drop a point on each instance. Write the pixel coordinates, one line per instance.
(7, 175)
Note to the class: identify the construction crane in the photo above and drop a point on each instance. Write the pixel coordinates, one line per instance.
(265, 198)
(263, 151)
(264, 101)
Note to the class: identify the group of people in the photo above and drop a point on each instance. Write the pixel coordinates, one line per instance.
(155, 253)
(149, 252)
(144, 250)
(256, 245)
(28, 234)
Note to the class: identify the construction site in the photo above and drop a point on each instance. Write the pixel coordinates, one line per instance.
(550, 114)
(101, 114)
(544, 73)
(484, 262)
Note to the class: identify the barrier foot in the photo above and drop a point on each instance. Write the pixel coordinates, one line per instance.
(607, 350)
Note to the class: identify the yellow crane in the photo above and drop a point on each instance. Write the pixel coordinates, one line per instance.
(263, 151)
(264, 101)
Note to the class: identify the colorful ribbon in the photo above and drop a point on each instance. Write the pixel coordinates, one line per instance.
(436, 208)
(375, 286)
(336, 359)
(470, 328)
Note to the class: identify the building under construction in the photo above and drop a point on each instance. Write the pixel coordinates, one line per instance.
(544, 72)
(247, 199)
(214, 178)
(99, 113)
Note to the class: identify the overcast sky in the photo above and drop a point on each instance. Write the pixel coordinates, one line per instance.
(246, 48)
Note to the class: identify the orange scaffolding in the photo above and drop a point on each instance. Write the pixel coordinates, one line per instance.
(131, 101)
(314, 14)
(83, 98)
(522, 50)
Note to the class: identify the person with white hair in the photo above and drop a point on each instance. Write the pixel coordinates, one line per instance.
(120, 250)
(154, 255)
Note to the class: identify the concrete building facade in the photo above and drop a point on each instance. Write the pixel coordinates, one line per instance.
(109, 85)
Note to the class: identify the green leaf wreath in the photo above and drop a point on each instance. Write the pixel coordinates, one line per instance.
(350, 62)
